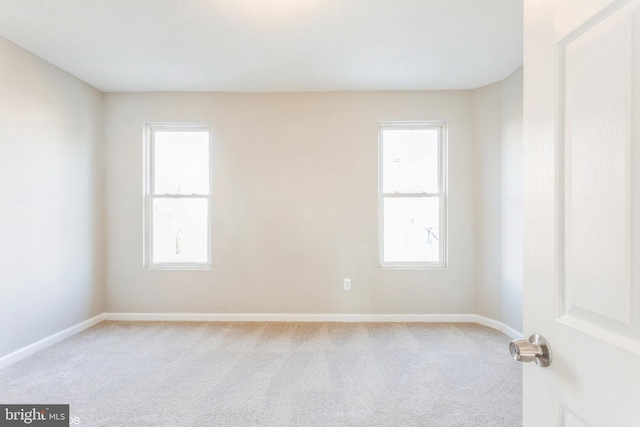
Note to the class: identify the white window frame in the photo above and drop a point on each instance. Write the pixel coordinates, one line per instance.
(149, 196)
(441, 126)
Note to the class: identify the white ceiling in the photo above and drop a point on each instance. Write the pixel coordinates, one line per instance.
(272, 45)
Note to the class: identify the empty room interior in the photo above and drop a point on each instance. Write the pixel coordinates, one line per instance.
(306, 213)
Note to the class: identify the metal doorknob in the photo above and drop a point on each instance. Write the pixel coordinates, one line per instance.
(536, 349)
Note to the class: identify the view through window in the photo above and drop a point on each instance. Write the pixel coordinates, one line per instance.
(178, 202)
(412, 195)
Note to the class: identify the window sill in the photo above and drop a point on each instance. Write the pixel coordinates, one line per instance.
(413, 266)
(180, 267)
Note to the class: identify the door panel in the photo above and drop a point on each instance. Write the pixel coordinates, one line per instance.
(582, 217)
(595, 122)
(569, 419)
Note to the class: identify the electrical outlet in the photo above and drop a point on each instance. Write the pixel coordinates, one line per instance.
(347, 284)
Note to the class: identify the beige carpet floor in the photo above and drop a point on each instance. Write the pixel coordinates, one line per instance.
(275, 374)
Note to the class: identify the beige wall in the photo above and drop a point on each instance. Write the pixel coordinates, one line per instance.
(50, 167)
(512, 201)
(498, 191)
(487, 137)
(295, 205)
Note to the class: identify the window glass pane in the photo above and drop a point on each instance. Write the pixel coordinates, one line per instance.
(411, 229)
(181, 162)
(180, 230)
(410, 160)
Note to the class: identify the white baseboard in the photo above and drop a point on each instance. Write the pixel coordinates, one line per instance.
(254, 317)
(292, 317)
(505, 329)
(49, 341)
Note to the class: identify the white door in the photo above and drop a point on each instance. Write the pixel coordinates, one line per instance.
(582, 211)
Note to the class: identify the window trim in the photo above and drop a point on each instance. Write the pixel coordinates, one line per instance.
(149, 197)
(441, 126)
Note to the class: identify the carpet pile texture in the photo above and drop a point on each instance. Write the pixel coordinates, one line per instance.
(276, 374)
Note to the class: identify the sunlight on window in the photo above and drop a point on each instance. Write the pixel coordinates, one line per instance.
(411, 229)
(181, 163)
(178, 199)
(410, 161)
(180, 230)
(412, 196)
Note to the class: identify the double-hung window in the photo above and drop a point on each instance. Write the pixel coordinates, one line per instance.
(177, 204)
(412, 194)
